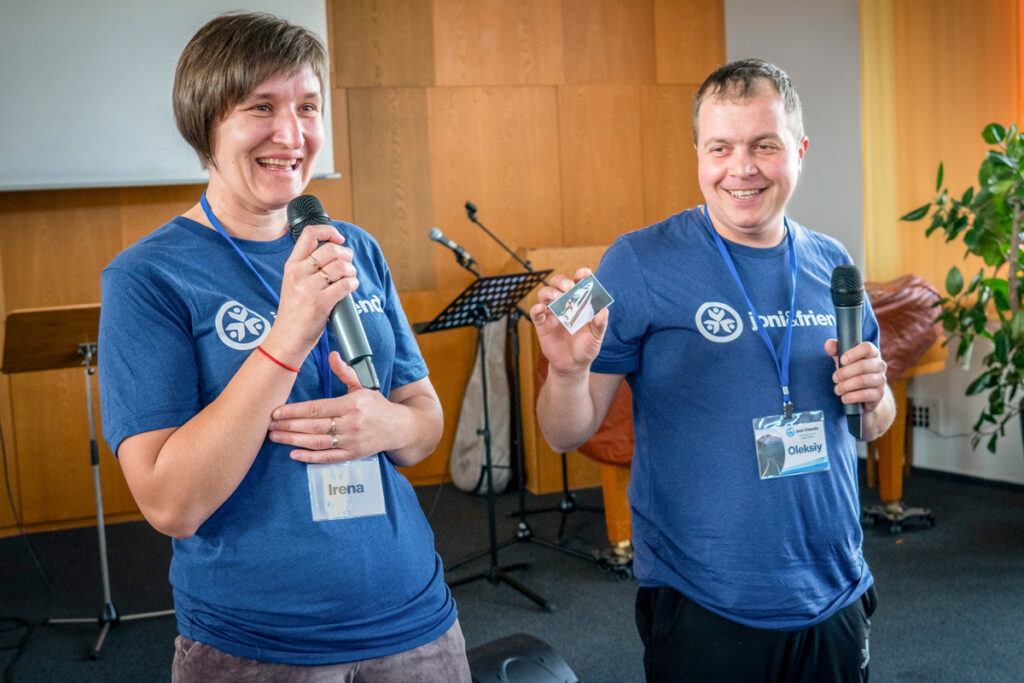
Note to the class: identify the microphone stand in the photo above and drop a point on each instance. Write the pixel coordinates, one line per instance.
(568, 504)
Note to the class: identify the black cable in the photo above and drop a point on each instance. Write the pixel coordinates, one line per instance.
(17, 519)
(9, 624)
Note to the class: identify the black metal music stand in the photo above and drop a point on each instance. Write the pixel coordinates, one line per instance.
(484, 301)
(568, 504)
(52, 338)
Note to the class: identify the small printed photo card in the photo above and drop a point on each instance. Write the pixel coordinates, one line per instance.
(579, 305)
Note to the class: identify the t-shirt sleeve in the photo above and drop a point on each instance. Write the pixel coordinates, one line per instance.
(408, 364)
(629, 316)
(148, 377)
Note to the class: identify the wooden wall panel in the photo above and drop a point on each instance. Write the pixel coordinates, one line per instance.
(689, 40)
(882, 238)
(602, 161)
(51, 425)
(608, 41)
(336, 193)
(670, 161)
(391, 168)
(382, 43)
(449, 355)
(496, 147)
(942, 52)
(144, 209)
(10, 491)
(51, 243)
(497, 42)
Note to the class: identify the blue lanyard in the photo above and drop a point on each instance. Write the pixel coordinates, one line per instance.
(783, 367)
(321, 351)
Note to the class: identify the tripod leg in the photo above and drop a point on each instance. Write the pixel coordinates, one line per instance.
(108, 614)
(495, 573)
(541, 602)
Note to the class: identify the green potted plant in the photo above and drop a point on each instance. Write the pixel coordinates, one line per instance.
(988, 222)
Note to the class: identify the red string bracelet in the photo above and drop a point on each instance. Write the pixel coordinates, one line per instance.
(286, 367)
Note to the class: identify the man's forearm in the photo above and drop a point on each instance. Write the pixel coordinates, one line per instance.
(880, 418)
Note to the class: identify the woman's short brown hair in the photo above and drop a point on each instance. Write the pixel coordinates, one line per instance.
(227, 59)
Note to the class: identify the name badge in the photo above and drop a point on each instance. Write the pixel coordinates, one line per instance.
(346, 489)
(790, 445)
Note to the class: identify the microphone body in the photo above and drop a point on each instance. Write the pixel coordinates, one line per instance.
(345, 323)
(848, 300)
(437, 236)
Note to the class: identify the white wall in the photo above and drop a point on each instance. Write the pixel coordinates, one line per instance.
(817, 42)
(946, 445)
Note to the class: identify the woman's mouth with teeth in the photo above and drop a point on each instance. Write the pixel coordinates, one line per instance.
(743, 194)
(278, 164)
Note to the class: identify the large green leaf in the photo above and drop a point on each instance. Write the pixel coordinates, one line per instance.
(1002, 347)
(993, 133)
(1017, 326)
(974, 282)
(1000, 186)
(1001, 160)
(980, 384)
(954, 281)
(917, 214)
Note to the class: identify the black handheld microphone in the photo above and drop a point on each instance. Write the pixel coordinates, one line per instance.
(848, 299)
(437, 236)
(348, 329)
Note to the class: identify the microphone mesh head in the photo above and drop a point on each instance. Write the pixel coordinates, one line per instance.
(305, 210)
(847, 287)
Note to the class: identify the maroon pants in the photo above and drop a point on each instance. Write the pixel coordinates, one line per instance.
(441, 661)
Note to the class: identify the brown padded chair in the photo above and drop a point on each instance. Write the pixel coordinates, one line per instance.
(611, 447)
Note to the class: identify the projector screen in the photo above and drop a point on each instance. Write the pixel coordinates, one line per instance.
(85, 90)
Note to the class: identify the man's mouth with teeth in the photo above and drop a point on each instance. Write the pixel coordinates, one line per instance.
(279, 164)
(744, 194)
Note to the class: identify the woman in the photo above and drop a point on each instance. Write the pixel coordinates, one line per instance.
(300, 553)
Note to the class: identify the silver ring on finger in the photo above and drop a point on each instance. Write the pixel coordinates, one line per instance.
(334, 440)
(333, 429)
(313, 262)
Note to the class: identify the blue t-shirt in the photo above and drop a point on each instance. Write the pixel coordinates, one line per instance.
(260, 579)
(781, 553)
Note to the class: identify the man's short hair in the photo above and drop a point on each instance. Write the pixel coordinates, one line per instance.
(227, 59)
(743, 79)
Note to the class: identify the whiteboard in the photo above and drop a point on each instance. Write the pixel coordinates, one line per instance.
(85, 90)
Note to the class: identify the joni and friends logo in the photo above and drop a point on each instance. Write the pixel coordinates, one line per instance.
(721, 323)
(718, 322)
(239, 327)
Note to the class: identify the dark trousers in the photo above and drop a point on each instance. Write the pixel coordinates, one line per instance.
(685, 642)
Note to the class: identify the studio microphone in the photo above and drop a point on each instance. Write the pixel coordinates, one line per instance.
(848, 299)
(437, 236)
(348, 329)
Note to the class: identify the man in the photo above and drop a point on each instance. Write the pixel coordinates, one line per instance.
(746, 574)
